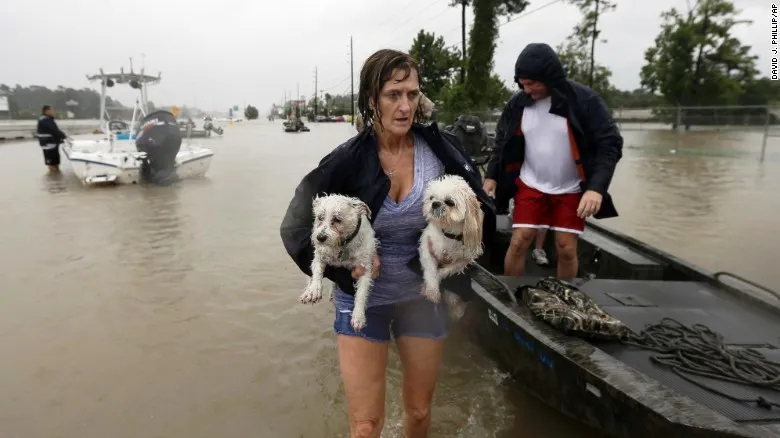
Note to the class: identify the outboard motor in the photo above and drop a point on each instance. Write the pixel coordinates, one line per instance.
(159, 137)
(472, 134)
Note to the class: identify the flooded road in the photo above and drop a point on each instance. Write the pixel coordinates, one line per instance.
(171, 312)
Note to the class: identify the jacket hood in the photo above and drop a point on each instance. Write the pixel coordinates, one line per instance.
(539, 62)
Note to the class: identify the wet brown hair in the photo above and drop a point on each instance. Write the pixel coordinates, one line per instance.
(376, 71)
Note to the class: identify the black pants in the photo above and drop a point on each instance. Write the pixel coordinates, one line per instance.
(52, 156)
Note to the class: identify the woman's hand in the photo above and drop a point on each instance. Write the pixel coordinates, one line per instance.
(361, 269)
(441, 260)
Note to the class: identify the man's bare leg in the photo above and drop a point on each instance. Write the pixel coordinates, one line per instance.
(514, 262)
(566, 247)
(541, 234)
(538, 254)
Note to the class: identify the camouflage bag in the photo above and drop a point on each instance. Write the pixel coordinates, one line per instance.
(567, 309)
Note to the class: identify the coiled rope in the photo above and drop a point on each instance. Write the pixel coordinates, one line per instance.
(699, 350)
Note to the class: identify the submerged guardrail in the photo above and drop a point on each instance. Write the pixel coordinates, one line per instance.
(25, 129)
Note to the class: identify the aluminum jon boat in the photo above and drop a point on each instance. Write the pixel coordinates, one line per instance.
(626, 389)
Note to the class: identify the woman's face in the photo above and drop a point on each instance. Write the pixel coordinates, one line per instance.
(398, 102)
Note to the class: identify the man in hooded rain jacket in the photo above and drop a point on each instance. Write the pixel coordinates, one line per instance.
(557, 147)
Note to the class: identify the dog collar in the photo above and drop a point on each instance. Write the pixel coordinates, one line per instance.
(345, 241)
(458, 237)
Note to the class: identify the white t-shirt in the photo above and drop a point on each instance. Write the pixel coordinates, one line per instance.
(548, 165)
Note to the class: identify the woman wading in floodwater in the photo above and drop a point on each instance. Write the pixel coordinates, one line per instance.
(387, 166)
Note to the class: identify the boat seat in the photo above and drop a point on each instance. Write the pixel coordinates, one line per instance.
(614, 259)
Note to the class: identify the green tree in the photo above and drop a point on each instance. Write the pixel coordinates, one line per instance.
(696, 60)
(575, 53)
(638, 98)
(455, 101)
(482, 45)
(328, 99)
(437, 63)
(496, 92)
(251, 112)
(763, 91)
(26, 102)
(315, 102)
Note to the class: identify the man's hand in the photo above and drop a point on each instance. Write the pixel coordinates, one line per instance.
(489, 187)
(589, 204)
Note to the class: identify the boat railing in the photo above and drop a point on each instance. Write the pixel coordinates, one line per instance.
(693, 272)
(751, 283)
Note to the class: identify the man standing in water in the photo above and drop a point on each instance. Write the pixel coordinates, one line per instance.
(557, 147)
(50, 137)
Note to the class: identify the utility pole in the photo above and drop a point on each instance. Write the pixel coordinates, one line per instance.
(463, 4)
(352, 79)
(316, 94)
(593, 45)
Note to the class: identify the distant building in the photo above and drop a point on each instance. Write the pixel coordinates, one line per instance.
(5, 110)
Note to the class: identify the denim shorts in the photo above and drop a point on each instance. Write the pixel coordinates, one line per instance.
(418, 318)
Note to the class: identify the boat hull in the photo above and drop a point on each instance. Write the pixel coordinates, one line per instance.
(94, 168)
(607, 385)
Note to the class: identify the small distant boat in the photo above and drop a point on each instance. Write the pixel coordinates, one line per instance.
(188, 129)
(294, 123)
(119, 156)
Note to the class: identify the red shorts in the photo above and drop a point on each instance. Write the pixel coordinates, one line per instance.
(534, 209)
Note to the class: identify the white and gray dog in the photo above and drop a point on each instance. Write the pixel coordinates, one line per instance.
(342, 237)
(454, 227)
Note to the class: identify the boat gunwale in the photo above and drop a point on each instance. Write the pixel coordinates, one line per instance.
(619, 376)
(668, 404)
(693, 271)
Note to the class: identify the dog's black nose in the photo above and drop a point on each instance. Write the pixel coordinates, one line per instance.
(435, 205)
(321, 238)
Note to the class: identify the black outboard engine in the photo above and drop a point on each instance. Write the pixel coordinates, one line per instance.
(159, 137)
(472, 134)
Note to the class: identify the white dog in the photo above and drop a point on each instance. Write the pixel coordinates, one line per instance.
(454, 228)
(342, 237)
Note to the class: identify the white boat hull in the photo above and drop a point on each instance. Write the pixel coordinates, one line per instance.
(93, 164)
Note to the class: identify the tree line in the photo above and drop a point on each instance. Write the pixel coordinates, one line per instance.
(695, 60)
(326, 104)
(84, 103)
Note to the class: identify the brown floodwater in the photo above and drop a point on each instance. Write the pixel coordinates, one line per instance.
(171, 311)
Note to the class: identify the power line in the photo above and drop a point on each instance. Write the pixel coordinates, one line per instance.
(527, 13)
(340, 82)
(427, 21)
(519, 16)
(513, 19)
(418, 13)
(391, 21)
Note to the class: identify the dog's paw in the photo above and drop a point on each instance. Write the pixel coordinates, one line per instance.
(311, 295)
(431, 293)
(358, 320)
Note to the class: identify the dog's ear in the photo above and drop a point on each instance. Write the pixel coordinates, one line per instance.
(472, 228)
(315, 202)
(362, 207)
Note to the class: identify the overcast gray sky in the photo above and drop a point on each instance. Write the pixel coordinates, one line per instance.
(231, 52)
